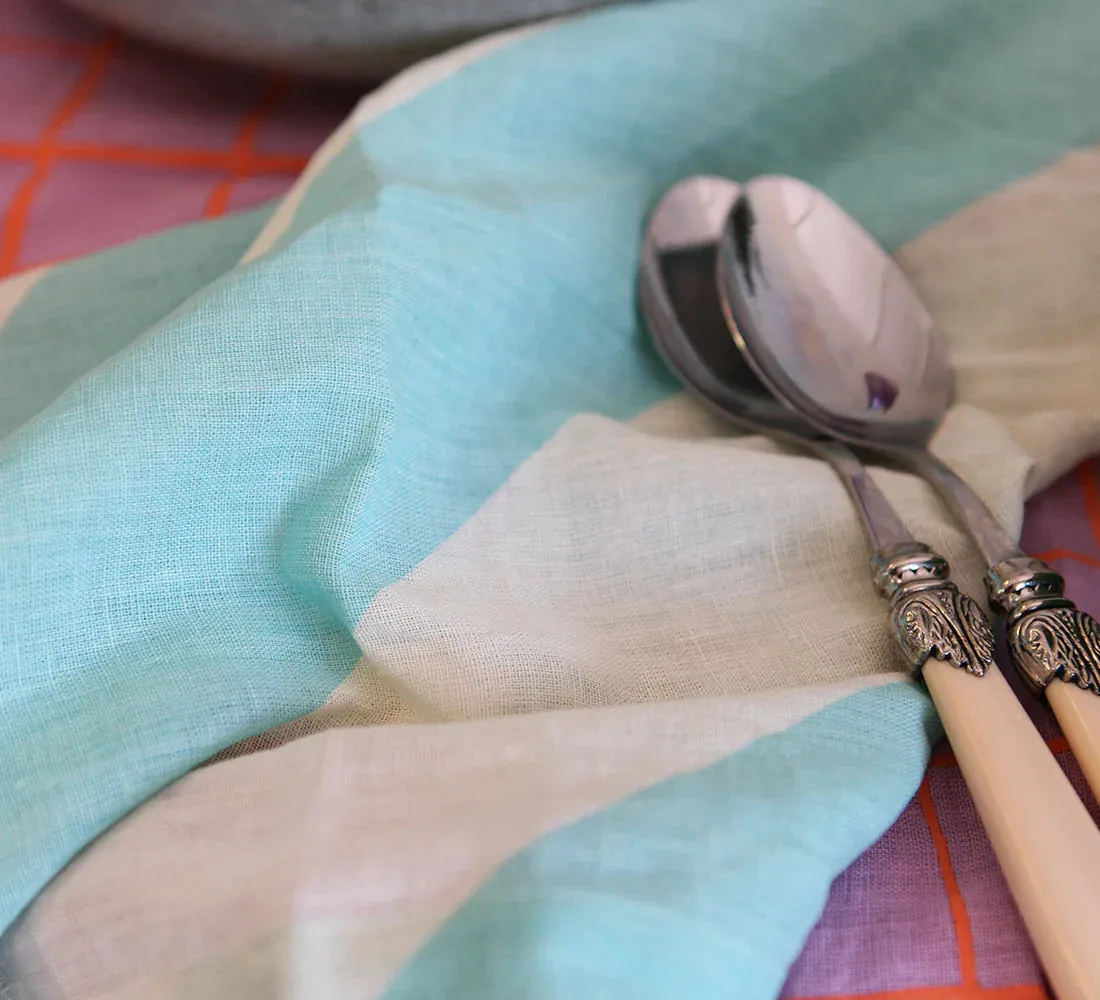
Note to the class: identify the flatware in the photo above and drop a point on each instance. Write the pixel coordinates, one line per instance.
(834, 331)
(832, 326)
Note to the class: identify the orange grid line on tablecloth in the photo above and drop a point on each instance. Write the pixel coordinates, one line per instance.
(56, 47)
(1023, 992)
(15, 219)
(249, 163)
(240, 156)
(1052, 555)
(960, 919)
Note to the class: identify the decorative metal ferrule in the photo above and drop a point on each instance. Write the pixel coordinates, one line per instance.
(1048, 636)
(931, 616)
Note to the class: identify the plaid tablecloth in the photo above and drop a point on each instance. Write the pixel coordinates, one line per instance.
(103, 139)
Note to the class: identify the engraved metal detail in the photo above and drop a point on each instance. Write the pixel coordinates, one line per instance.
(1048, 636)
(943, 622)
(931, 616)
(1057, 642)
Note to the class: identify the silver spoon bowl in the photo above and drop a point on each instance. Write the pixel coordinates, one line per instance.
(828, 321)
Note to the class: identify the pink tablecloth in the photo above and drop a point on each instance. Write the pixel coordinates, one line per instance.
(103, 140)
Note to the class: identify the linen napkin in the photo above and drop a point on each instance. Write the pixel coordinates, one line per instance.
(521, 676)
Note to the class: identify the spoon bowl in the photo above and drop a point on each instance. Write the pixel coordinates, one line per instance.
(677, 293)
(827, 320)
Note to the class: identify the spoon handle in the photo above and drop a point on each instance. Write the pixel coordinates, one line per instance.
(1027, 805)
(1042, 835)
(1054, 646)
(1078, 713)
(1056, 649)
(1028, 808)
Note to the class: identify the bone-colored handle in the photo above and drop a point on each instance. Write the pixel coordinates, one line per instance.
(1056, 648)
(1078, 713)
(1042, 834)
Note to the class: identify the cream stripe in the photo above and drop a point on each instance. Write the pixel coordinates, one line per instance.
(15, 290)
(1011, 279)
(328, 862)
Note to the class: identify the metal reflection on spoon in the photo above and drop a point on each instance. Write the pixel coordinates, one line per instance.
(826, 319)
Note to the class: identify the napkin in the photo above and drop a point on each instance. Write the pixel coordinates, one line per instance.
(513, 673)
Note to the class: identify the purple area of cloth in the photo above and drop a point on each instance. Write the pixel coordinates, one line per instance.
(887, 924)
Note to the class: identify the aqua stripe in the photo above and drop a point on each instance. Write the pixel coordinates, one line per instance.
(905, 111)
(82, 312)
(702, 886)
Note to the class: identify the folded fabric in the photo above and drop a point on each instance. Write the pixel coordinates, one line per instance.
(562, 689)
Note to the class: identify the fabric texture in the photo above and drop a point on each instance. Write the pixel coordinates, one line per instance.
(413, 462)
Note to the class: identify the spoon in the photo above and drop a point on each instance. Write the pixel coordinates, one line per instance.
(1025, 801)
(832, 326)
